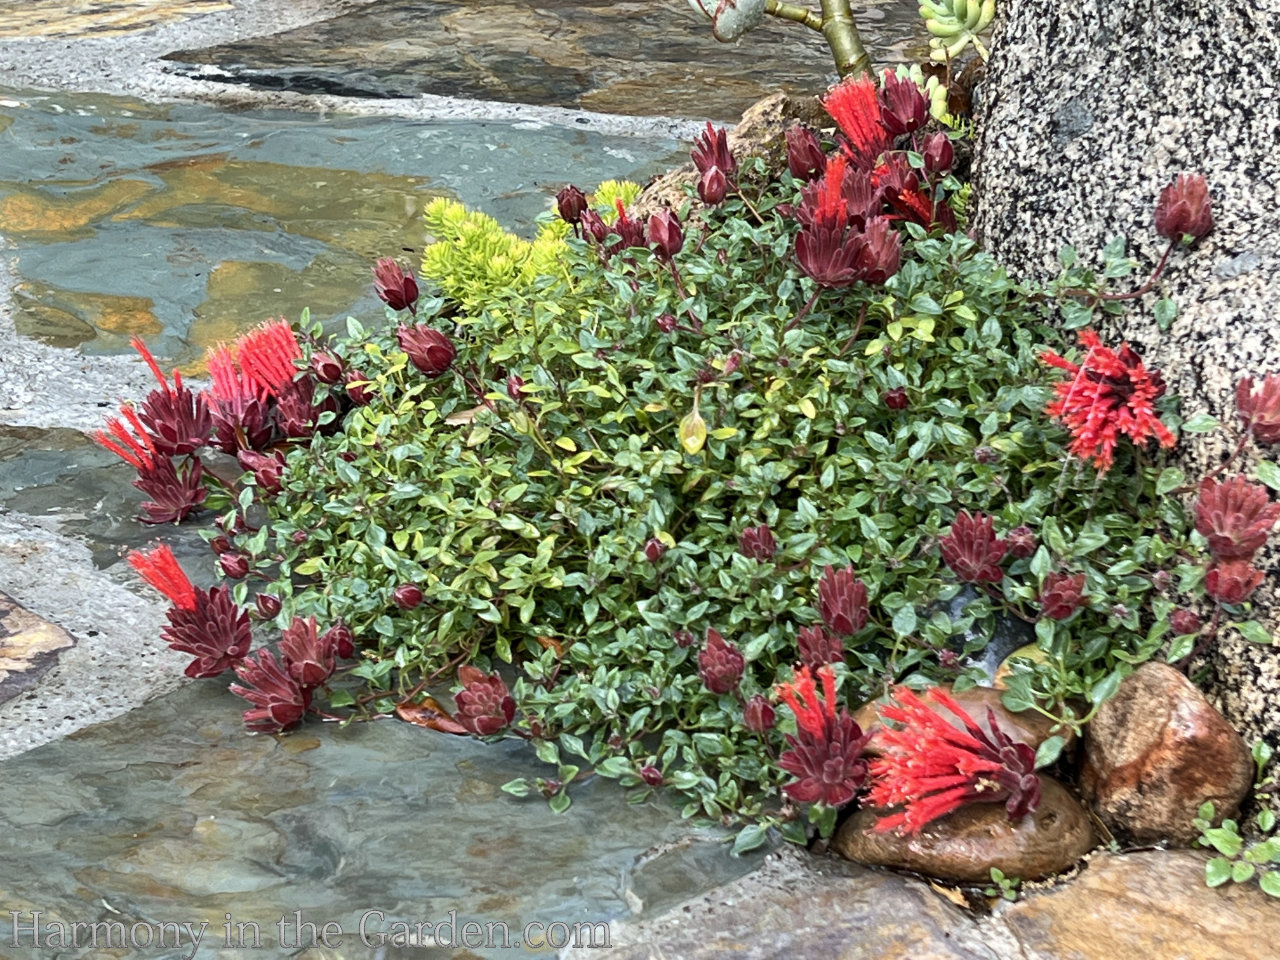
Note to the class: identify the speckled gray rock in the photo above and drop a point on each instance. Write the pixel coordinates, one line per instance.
(1088, 110)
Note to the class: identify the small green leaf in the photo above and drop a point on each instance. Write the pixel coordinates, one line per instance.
(904, 621)
(1165, 311)
(750, 837)
(560, 802)
(1242, 872)
(693, 431)
(1270, 883)
(1266, 821)
(1200, 423)
(1269, 473)
(1254, 632)
(519, 787)
(1105, 688)
(1048, 752)
(1170, 479)
(1217, 872)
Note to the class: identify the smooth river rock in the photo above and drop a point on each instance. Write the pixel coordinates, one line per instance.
(1156, 751)
(965, 845)
(1151, 905)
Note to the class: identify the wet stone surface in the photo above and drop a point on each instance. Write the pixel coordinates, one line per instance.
(625, 58)
(187, 225)
(173, 814)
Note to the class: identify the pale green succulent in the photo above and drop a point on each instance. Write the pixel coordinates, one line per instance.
(955, 24)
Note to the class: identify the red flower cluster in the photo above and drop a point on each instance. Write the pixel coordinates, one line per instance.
(485, 706)
(1260, 409)
(758, 543)
(1236, 517)
(1110, 394)
(1061, 595)
(931, 767)
(842, 601)
(717, 167)
(971, 550)
(817, 647)
(1184, 209)
(720, 664)
(825, 755)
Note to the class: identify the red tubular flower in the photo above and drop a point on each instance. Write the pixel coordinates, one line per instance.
(758, 543)
(720, 665)
(1260, 409)
(817, 647)
(177, 419)
(758, 715)
(630, 232)
(855, 107)
(485, 706)
(1061, 596)
(429, 350)
(395, 286)
(665, 235)
(307, 655)
(1184, 208)
(1232, 581)
(175, 493)
(825, 755)
(1235, 515)
(805, 157)
(571, 203)
(971, 550)
(842, 601)
(267, 357)
(827, 255)
(711, 149)
(903, 108)
(901, 189)
(877, 252)
(280, 702)
(135, 448)
(241, 420)
(930, 767)
(161, 569)
(824, 203)
(1109, 394)
(206, 623)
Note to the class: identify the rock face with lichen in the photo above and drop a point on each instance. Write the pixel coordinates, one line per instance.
(1087, 111)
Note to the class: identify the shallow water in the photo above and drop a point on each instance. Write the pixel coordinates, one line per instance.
(187, 224)
(173, 814)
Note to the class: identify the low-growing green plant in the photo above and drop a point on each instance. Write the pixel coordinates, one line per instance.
(1238, 860)
(1001, 886)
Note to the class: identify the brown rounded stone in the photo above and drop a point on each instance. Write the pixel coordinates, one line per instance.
(1156, 751)
(966, 844)
(1027, 727)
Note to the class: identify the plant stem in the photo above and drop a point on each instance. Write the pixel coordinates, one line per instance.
(843, 38)
(803, 310)
(795, 12)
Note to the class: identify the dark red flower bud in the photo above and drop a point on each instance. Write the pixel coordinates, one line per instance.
(877, 251)
(1260, 409)
(220, 544)
(268, 469)
(485, 705)
(395, 286)
(300, 536)
(731, 363)
(268, 605)
(684, 638)
(720, 665)
(903, 107)
(594, 228)
(571, 203)
(358, 387)
(666, 323)
(407, 596)
(897, 399)
(651, 775)
(307, 657)
(971, 550)
(1184, 622)
(842, 601)
(758, 543)
(711, 149)
(1061, 596)
(1184, 208)
(939, 154)
(326, 368)
(234, 565)
(986, 455)
(654, 549)
(1022, 542)
(713, 186)
(515, 387)
(1235, 515)
(429, 350)
(665, 235)
(1162, 579)
(817, 647)
(1232, 581)
(342, 641)
(805, 157)
(758, 715)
